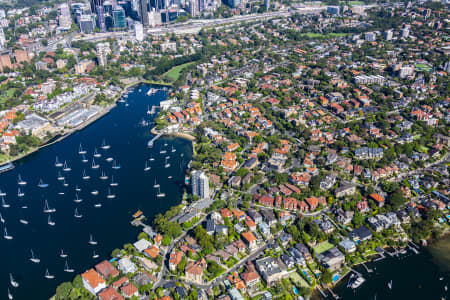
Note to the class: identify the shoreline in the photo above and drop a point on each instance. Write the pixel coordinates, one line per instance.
(85, 124)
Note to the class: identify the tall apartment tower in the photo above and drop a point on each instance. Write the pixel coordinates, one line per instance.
(143, 12)
(200, 184)
(102, 53)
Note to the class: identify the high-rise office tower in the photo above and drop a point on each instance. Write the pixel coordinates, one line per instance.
(87, 23)
(101, 18)
(95, 4)
(200, 184)
(143, 12)
(193, 7)
(118, 15)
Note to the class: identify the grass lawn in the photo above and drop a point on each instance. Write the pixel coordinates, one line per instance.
(322, 247)
(423, 149)
(175, 72)
(351, 2)
(298, 280)
(313, 35)
(4, 158)
(422, 67)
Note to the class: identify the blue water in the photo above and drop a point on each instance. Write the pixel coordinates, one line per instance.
(110, 224)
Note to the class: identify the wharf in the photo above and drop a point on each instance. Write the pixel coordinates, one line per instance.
(152, 141)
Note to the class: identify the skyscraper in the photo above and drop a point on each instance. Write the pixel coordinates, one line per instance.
(118, 15)
(2, 39)
(101, 18)
(102, 53)
(193, 8)
(95, 4)
(200, 184)
(267, 4)
(143, 12)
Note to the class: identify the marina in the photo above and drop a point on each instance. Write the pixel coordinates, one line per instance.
(67, 212)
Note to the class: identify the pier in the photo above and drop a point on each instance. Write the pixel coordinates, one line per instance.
(154, 108)
(367, 269)
(152, 141)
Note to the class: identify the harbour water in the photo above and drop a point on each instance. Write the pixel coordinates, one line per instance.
(110, 223)
(414, 276)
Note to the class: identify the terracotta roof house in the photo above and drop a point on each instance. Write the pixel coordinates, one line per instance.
(109, 294)
(129, 290)
(194, 271)
(106, 269)
(378, 199)
(152, 252)
(249, 239)
(92, 281)
(175, 259)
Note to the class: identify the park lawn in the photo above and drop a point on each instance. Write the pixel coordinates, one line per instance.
(423, 67)
(352, 2)
(322, 247)
(4, 158)
(175, 72)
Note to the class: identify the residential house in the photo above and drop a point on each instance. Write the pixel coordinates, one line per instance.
(92, 281)
(271, 269)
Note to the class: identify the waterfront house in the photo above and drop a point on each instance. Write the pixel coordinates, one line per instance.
(109, 294)
(92, 281)
(106, 269)
(360, 234)
(331, 259)
(126, 266)
(141, 245)
(152, 251)
(348, 245)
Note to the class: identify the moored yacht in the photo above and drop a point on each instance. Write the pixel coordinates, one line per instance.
(77, 214)
(166, 165)
(10, 296)
(6, 235)
(162, 151)
(146, 167)
(113, 183)
(2, 193)
(47, 275)
(84, 159)
(62, 254)
(66, 168)
(77, 188)
(151, 158)
(42, 184)
(104, 145)
(103, 176)
(81, 151)
(58, 164)
(20, 181)
(4, 203)
(50, 222)
(12, 281)
(92, 241)
(33, 258)
(110, 196)
(95, 255)
(60, 177)
(160, 195)
(156, 185)
(94, 165)
(115, 166)
(65, 183)
(173, 149)
(94, 192)
(20, 193)
(67, 269)
(77, 200)
(96, 154)
(109, 159)
(1, 218)
(85, 177)
(47, 208)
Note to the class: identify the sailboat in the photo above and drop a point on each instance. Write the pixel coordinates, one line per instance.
(47, 275)
(109, 159)
(2, 193)
(84, 159)
(104, 145)
(149, 112)
(103, 176)
(173, 149)
(67, 269)
(62, 254)
(160, 195)
(65, 183)
(20, 181)
(166, 165)
(10, 296)
(77, 200)
(165, 144)
(4, 204)
(156, 185)
(92, 241)
(151, 158)
(57, 163)
(81, 151)
(47, 209)
(20, 193)
(94, 192)
(147, 167)
(12, 281)
(50, 222)
(112, 182)
(33, 258)
(95, 255)
(182, 154)
(77, 214)
(98, 205)
(115, 166)
(110, 196)
(77, 188)
(94, 165)
(42, 184)
(85, 177)
(96, 154)
(22, 219)
(1, 219)
(162, 151)
(60, 177)
(6, 235)
(169, 177)
(66, 168)
(390, 285)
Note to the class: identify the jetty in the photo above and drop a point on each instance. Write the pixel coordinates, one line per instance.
(154, 108)
(152, 141)
(367, 269)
